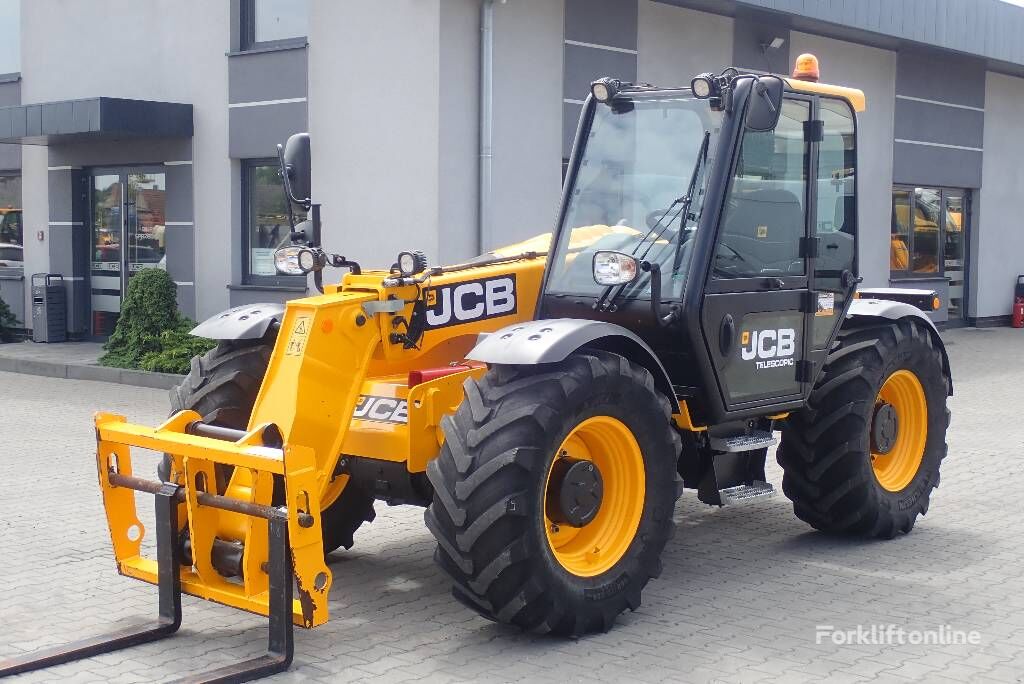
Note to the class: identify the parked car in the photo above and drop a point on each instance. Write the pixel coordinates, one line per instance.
(11, 256)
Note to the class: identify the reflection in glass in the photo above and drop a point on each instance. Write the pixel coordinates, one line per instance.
(953, 252)
(105, 272)
(281, 19)
(12, 229)
(268, 218)
(899, 241)
(927, 208)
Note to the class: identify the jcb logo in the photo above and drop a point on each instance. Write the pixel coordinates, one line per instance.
(774, 347)
(472, 300)
(382, 409)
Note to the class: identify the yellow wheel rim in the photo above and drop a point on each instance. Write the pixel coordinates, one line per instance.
(600, 544)
(896, 469)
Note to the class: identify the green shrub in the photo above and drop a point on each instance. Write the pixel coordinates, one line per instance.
(150, 333)
(7, 321)
(177, 348)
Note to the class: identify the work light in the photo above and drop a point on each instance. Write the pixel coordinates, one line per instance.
(604, 89)
(703, 85)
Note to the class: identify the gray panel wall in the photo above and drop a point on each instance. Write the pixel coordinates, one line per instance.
(676, 44)
(939, 144)
(754, 31)
(601, 24)
(10, 94)
(266, 78)
(990, 28)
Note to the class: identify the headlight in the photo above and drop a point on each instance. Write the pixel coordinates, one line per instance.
(295, 260)
(615, 268)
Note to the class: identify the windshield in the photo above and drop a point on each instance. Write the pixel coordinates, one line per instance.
(630, 189)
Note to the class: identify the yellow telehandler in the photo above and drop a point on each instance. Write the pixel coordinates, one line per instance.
(548, 402)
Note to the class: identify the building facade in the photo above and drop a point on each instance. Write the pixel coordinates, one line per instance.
(140, 135)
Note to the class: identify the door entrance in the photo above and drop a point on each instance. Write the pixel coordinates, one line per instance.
(128, 222)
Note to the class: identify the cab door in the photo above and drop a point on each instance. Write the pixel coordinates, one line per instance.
(756, 316)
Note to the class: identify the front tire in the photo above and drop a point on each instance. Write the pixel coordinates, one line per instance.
(507, 454)
(863, 458)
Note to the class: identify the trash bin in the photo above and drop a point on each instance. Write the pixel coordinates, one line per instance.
(49, 308)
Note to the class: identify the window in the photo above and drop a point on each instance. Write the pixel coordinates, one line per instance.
(927, 232)
(10, 36)
(765, 214)
(265, 221)
(12, 228)
(270, 23)
(836, 220)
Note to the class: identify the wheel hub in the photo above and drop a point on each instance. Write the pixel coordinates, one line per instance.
(575, 492)
(884, 428)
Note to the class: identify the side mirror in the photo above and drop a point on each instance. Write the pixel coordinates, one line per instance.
(765, 104)
(296, 168)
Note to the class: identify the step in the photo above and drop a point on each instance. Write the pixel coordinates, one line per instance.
(732, 496)
(758, 439)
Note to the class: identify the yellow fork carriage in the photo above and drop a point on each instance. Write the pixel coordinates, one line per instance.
(255, 541)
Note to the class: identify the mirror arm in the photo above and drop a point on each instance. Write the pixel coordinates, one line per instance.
(664, 320)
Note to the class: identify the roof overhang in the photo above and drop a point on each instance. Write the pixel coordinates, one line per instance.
(94, 118)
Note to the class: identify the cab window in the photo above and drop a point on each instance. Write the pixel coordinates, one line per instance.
(765, 211)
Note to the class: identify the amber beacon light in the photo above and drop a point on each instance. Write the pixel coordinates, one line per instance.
(806, 68)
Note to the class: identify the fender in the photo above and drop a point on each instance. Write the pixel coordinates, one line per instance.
(890, 310)
(249, 322)
(551, 341)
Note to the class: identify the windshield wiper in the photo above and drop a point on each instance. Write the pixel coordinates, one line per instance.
(695, 187)
(604, 302)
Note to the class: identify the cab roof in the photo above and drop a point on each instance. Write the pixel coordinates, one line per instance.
(853, 95)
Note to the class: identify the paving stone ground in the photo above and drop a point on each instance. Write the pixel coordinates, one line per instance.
(740, 598)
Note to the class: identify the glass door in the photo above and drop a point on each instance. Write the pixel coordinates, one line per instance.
(954, 252)
(128, 223)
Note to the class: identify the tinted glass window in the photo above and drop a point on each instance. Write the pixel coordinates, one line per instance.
(899, 241)
(765, 213)
(267, 214)
(280, 19)
(836, 220)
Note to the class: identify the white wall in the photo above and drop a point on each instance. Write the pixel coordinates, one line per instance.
(873, 71)
(165, 50)
(459, 156)
(998, 239)
(676, 44)
(374, 122)
(527, 172)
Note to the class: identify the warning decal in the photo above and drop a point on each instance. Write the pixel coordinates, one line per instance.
(299, 337)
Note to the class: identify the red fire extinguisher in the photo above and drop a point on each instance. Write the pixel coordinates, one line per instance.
(1018, 303)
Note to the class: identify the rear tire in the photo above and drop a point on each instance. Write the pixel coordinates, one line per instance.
(834, 472)
(222, 386)
(489, 515)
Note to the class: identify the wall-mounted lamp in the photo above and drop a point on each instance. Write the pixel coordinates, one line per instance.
(774, 44)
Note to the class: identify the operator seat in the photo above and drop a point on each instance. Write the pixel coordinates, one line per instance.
(763, 226)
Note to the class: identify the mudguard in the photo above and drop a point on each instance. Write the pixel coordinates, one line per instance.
(893, 311)
(551, 341)
(249, 322)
